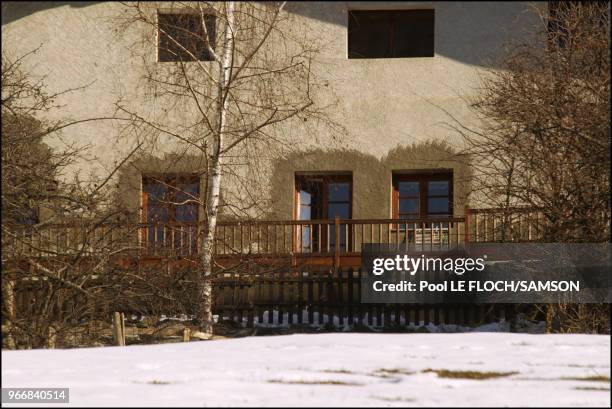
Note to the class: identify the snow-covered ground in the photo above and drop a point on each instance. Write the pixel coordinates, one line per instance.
(328, 369)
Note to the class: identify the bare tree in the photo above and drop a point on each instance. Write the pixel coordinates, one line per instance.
(240, 79)
(53, 247)
(545, 138)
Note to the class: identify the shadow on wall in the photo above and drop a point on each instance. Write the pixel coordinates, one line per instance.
(129, 181)
(15, 10)
(470, 32)
(372, 177)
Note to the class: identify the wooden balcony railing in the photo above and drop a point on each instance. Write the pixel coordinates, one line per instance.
(333, 237)
(312, 238)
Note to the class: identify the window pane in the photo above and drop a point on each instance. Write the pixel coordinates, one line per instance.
(408, 188)
(408, 216)
(187, 191)
(437, 205)
(338, 209)
(156, 191)
(305, 197)
(306, 238)
(309, 196)
(305, 213)
(185, 209)
(339, 192)
(157, 209)
(437, 188)
(408, 205)
(413, 33)
(157, 213)
(186, 213)
(368, 34)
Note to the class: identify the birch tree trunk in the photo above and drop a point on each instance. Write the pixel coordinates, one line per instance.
(233, 115)
(214, 181)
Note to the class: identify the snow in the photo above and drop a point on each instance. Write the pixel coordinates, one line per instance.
(332, 369)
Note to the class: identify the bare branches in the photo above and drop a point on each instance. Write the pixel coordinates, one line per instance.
(64, 271)
(546, 131)
(264, 85)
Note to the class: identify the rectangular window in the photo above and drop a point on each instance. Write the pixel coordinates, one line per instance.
(390, 33)
(181, 37)
(322, 197)
(170, 210)
(422, 195)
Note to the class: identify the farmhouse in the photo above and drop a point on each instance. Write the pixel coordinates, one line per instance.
(378, 161)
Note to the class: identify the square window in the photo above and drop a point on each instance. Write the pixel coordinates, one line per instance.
(181, 37)
(423, 195)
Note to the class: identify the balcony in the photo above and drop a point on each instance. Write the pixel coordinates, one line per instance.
(317, 242)
(266, 272)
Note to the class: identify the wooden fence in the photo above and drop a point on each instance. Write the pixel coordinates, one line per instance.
(287, 297)
(332, 298)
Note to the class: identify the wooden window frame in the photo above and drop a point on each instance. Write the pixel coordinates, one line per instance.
(423, 178)
(168, 179)
(327, 178)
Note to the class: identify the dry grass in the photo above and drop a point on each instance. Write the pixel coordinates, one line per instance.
(156, 382)
(393, 399)
(593, 378)
(315, 382)
(339, 371)
(592, 389)
(389, 372)
(476, 375)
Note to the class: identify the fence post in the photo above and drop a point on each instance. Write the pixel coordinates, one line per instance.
(337, 241)
(119, 329)
(467, 224)
(51, 337)
(186, 334)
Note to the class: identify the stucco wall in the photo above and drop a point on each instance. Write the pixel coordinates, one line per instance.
(392, 109)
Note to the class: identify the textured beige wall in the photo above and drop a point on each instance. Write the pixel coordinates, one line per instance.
(392, 109)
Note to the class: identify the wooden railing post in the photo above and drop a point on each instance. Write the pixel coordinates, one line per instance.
(467, 224)
(337, 241)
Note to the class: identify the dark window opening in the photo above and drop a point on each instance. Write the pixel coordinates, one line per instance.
(322, 197)
(170, 211)
(27, 216)
(422, 195)
(390, 33)
(181, 37)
